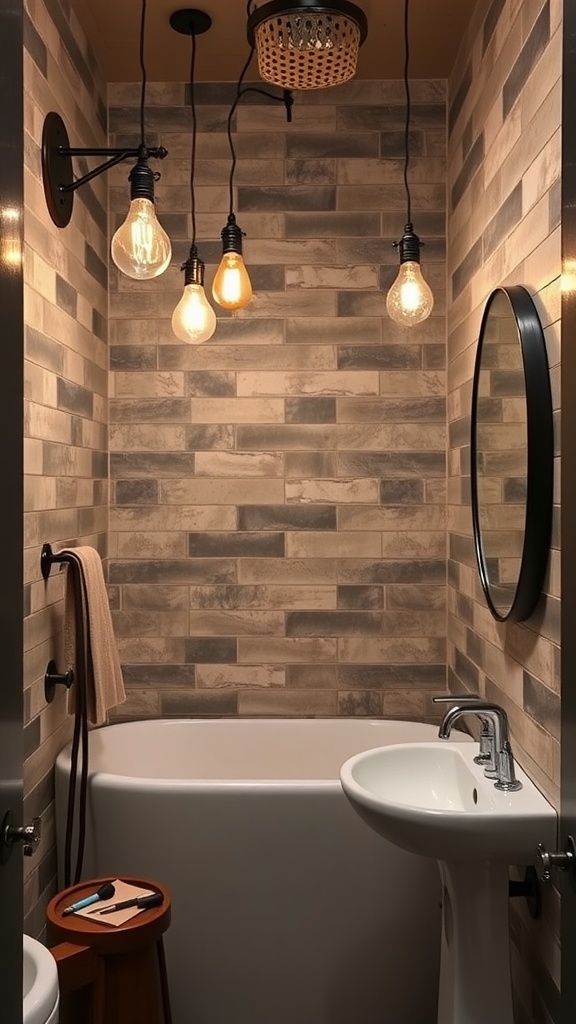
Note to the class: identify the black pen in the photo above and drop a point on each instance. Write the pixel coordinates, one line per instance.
(142, 902)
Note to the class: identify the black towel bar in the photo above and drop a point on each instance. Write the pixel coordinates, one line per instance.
(53, 678)
(48, 558)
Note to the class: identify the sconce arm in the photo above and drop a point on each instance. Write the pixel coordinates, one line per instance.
(59, 182)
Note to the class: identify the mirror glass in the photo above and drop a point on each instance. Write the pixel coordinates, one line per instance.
(511, 454)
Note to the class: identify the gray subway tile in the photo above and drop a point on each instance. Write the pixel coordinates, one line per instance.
(66, 296)
(235, 545)
(490, 22)
(95, 266)
(212, 436)
(409, 570)
(471, 164)
(330, 225)
(137, 492)
(139, 465)
(360, 597)
(467, 268)
(542, 704)
(385, 116)
(310, 145)
(387, 464)
(341, 623)
(310, 410)
(158, 675)
(509, 214)
(199, 703)
(359, 703)
(459, 98)
(286, 197)
(287, 517)
(132, 357)
(529, 55)
(392, 144)
(211, 650)
(401, 492)
(381, 677)
(211, 384)
(35, 46)
(149, 410)
(74, 398)
(379, 357)
(99, 325)
(182, 570)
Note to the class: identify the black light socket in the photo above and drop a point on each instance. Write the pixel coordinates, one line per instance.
(141, 180)
(193, 268)
(409, 245)
(231, 236)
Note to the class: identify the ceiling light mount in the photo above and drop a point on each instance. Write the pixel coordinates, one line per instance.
(304, 44)
(190, 22)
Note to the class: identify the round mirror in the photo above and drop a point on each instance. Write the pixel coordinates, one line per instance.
(512, 456)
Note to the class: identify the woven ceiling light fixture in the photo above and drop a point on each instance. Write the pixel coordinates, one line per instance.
(307, 45)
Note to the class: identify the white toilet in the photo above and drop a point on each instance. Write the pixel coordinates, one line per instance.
(40, 984)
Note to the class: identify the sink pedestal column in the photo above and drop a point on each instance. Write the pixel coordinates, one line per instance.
(475, 980)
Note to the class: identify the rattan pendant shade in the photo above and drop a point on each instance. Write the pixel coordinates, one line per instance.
(305, 45)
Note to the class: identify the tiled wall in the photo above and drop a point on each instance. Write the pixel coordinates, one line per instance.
(504, 214)
(66, 388)
(278, 533)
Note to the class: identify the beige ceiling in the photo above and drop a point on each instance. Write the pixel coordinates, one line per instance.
(436, 28)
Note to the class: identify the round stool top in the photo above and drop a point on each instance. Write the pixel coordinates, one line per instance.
(144, 928)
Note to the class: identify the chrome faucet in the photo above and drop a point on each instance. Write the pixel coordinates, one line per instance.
(502, 765)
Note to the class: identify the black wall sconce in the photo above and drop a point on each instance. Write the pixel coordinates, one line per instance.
(60, 186)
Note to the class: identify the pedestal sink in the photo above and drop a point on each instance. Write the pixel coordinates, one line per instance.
(432, 799)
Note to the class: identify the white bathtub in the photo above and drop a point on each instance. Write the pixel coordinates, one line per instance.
(286, 908)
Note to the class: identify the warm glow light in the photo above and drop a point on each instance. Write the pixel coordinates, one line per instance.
(11, 241)
(141, 248)
(232, 288)
(9, 213)
(194, 320)
(410, 300)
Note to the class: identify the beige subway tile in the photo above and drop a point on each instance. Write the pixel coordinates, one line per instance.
(393, 518)
(403, 650)
(236, 410)
(148, 385)
(328, 383)
(272, 596)
(287, 703)
(151, 545)
(243, 676)
(236, 623)
(288, 571)
(145, 623)
(290, 650)
(337, 491)
(239, 464)
(330, 545)
(173, 517)
(219, 491)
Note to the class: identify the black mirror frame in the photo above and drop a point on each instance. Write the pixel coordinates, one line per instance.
(540, 457)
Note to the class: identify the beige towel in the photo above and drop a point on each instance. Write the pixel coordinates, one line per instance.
(104, 684)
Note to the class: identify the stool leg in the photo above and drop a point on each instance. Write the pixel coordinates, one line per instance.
(164, 982)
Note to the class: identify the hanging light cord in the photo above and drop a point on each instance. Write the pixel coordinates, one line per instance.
(286, 99)
(143, 70)
(407, 125)
(193, 144)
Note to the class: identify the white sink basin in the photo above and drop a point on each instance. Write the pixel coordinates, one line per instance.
(40, 984)
(432, 799)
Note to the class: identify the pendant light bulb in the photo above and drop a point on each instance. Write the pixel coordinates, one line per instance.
(193, 320)
(140, 247)
(232, 288)
(410, 299)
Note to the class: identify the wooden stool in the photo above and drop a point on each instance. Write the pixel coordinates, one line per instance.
(125, 965)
